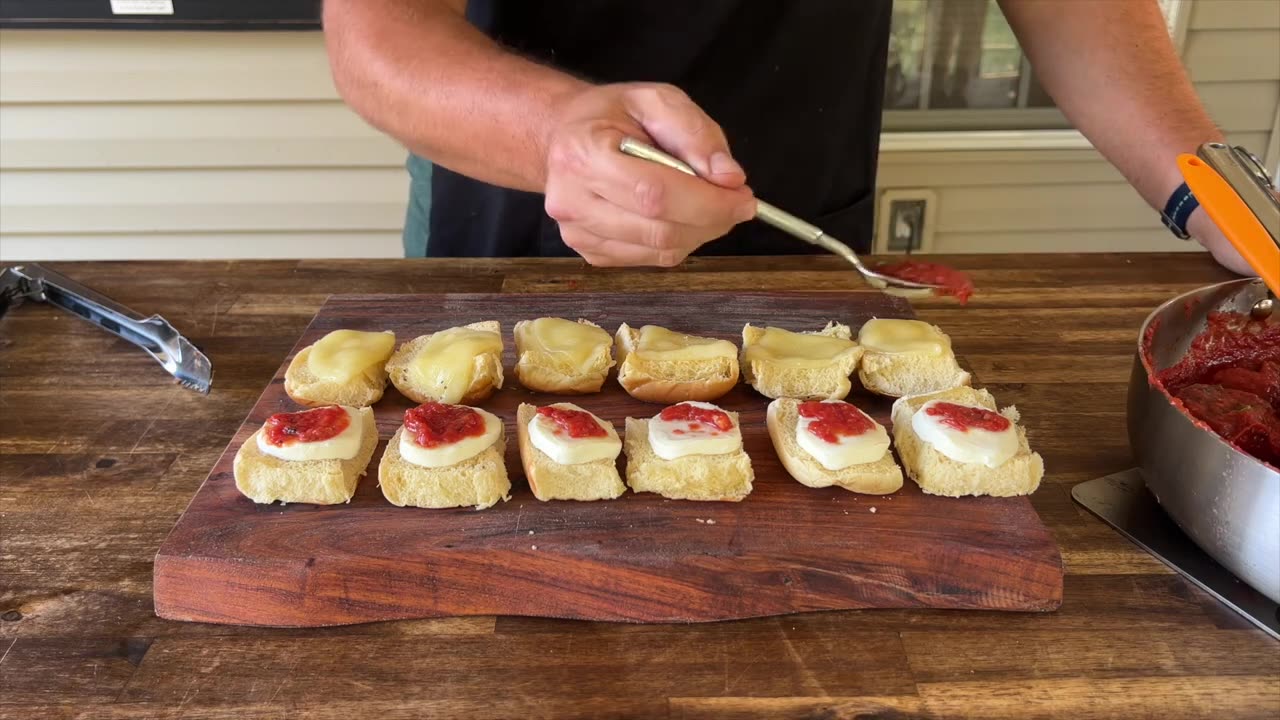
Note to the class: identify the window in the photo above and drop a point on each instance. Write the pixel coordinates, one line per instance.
(956, 65)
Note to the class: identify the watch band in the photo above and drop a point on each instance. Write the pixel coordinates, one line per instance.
(1178, 210)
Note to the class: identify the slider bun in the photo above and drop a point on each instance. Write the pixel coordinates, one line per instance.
(539, 371)
(937, 474)
(486, 376)
(306, 389)
(265, 478)
(479, 481)
(549, 480)
(874, 478)
(901, 374)
(671, 381)
(724, 477)
(776, 380)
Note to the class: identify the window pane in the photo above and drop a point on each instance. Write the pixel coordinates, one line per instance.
(956, 65)
(976, 60)
(906, 54)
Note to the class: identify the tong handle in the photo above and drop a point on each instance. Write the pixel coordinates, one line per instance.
(60, 290)
(766, 213)
(153, 334)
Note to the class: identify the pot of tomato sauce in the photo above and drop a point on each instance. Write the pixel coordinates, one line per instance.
(1204, 424)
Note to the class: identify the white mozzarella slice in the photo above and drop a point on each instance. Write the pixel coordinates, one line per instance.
(342, 446)
(867, 447)
(551, 439)
(453, 453)
(974, 445)
(671, 439)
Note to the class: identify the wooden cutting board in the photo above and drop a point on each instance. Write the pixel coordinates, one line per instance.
(786, 548)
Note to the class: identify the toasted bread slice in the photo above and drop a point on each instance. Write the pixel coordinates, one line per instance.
(898, 374)
(479, 481)
(486, 376)
(671, 381)
(775, 379)
(874, 478)
(549, 372)
(549, 480)
(937, 474)
(265, 478)
(726, 477)
(307, 389)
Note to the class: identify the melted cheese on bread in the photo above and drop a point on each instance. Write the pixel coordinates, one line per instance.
(446, 364)
(797, 350)
(658, 343)
(344, 354)
(573, 343)
(893, 336)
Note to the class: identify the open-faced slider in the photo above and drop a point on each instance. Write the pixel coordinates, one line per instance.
(445, 456)
(956, 442)
(568, 453)
(661, 366)
(689, 451)
(345, 367)
(780, 363)
(315, 456)
(457, 365)
(907, 357)
(560, 356)
(831, 442)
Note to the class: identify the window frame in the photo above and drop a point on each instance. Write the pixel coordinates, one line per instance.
(1021, 128)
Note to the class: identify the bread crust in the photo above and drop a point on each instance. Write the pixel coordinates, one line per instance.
(937, 474)
(669, 383)
(717, 478)
(874, 478)
(306, 389)
(486, 377)
(266, 479)
(774, 380)
(549, 480)
(536, 371)
(479, 481)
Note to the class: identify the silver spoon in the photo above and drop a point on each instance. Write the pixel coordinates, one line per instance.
(783, 220)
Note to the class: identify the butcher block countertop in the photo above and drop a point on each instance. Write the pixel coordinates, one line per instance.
(100, 452)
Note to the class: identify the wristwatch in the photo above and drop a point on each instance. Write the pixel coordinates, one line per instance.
(1177, 211)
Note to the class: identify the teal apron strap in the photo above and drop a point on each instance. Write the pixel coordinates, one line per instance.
(418, 214)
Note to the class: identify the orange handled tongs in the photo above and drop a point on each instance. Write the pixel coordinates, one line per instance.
(1239, 196)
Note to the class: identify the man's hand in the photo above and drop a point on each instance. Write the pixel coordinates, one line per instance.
(1200, 226)
(614, 209)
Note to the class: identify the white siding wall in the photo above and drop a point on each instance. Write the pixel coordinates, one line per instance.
(149, 145)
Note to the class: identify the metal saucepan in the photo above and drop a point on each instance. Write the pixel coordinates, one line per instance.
(1228, 502)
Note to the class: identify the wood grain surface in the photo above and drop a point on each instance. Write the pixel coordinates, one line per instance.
(641, 558)
(100, 453)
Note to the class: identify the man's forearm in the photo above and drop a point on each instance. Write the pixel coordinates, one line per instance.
(418, 71)
(1113, 70)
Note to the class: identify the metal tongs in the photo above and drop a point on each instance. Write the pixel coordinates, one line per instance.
(784, 221)
(1239, 196)
(153, 334)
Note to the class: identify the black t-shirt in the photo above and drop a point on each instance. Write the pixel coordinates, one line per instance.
(797, 86)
